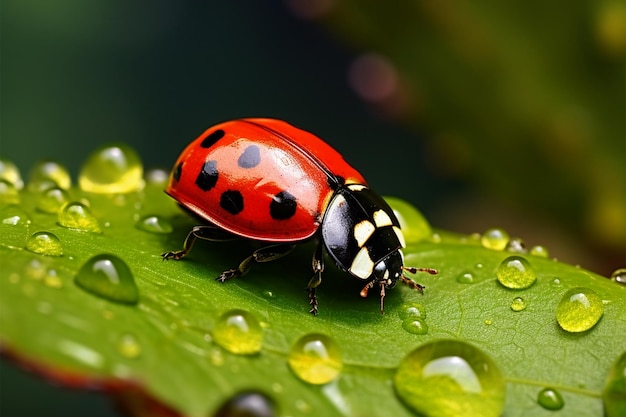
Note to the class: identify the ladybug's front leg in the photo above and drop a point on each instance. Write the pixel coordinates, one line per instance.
(316, 279)
(265, 254)
(204, 232)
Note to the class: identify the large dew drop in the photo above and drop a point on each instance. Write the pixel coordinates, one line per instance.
(614, 393)
(448, 378)
(516, 273)
(45, 243)
(238, 332)
(48, 174)
(52, 199)
(550, 399)
(495, 239)
(112, 169)
(316, 359)
(414, 225)
(109, 277)
(579, 310)
(77, 216)
(11, 174)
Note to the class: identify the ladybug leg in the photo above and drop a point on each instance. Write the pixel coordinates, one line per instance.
(265, 254)
(316, 279)
(412, 284)
(204, 232)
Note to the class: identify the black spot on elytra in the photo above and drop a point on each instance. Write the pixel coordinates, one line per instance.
(231, 201)
(212, 138)
(283, 206)
(178, 170)
(250, 157)
(207, 178)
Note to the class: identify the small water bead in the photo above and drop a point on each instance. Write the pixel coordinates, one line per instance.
(412, 310)
(154, 224)
(516, 273)
(540, 251)
(518, 304)
(78, 216)
(516, 245)
(465, 278)
(614, 392)
(495, 239)
(238, 332)
(52, 199)
(247, 404)
(415, 325)
(414, 225)
(14, 226)
(315, 358)
(52, 280)
(9, 194)
(619, 276)
(47, 174)
(550, 399)
(579, 310)
(109, 277)
(128, 346)
(45, 243)
(10, 173)
(442, 377)
(112, 169)
(156, 177)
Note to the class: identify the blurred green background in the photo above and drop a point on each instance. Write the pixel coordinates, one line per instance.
(494, 114)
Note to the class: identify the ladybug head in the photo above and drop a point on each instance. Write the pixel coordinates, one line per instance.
(389, 270)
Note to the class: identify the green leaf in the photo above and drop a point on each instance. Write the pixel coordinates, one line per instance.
(165, 344)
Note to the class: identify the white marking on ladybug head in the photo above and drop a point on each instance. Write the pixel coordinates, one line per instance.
(362, 231)
(382, 219)
(362, 265)
(356, 187)
(400, 236)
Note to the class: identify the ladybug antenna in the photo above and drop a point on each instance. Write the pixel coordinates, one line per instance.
(413, 270)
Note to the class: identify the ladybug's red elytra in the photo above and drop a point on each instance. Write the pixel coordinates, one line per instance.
(266, 180)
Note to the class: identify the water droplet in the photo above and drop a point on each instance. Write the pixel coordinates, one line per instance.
(77, 216)
(154, 224)
(465, 278)
(303, 406)
(614, 392)
(315, 358)
(14, 225)
(488, 322)
(495, 239)
(156, 177)
(48, 174)
(412, 310)
(516, 245)
(414, 225)
(109, 277)
(10, 173)
(52, 199)
(619, 276)
(35, 269)
(550, 399)
(516, 273)
(44, 243)
(555, 282)
(579, 310)
(457, 375)
(8, 193)
(540, 251)
(247, 404)
(51, 279)
(128, 346)
(112, 169)
(269, 294)
(518, 304)
(238, 332)
(415, 325)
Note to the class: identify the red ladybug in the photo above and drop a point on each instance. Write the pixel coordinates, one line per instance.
(266, 180)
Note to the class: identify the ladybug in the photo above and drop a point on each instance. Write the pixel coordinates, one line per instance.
(269, 181)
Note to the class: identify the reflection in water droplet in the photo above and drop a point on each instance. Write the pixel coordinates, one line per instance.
(238, 332)
(11, 174)
(109, 277)
(414, 225)
(495, 239)
(550, 399)
(619, 276)
(614, 392)
(48, 174)
(579, 310)
(516, 273)
(128, 346)
(52, 199)
(247, 404)
(112, 169)
(415, 325)
(45, 243)
(77, 216)
(316, 359)
(14, 225)
(154, 224)
(540, 251)
(465, 278)
(440, 378)
(518, 304)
